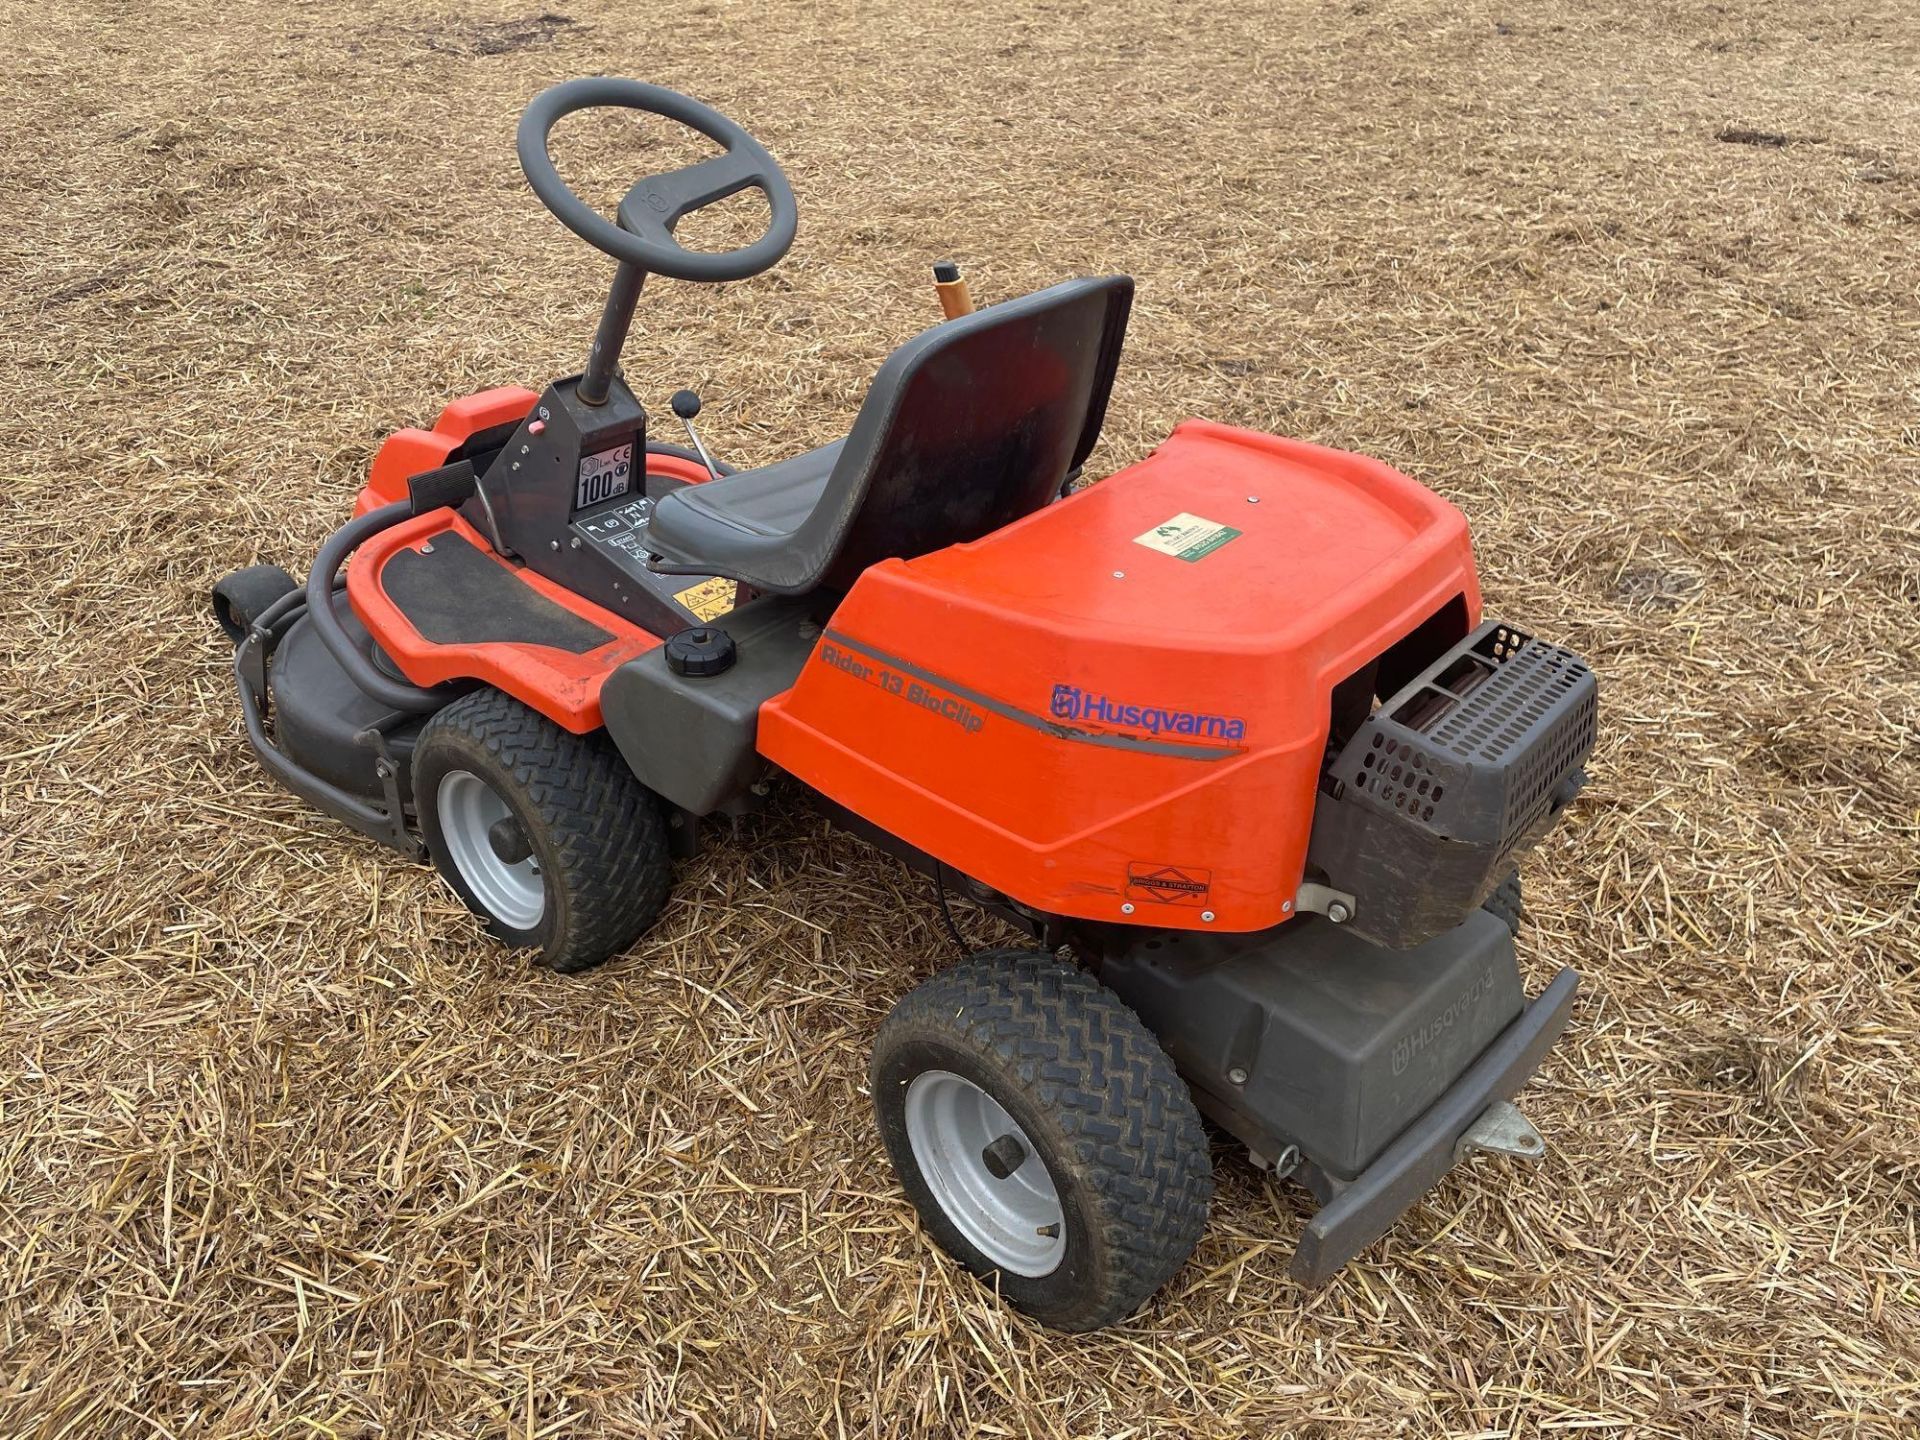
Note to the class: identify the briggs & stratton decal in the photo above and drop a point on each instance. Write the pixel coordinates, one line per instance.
(1168, 884)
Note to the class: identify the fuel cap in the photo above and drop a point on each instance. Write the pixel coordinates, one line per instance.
(704, 650)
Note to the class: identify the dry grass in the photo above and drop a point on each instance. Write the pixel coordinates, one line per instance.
(286, 1148)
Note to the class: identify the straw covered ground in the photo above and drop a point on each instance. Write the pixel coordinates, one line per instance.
(288, 1148)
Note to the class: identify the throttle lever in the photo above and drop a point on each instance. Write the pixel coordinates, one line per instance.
(686, 404)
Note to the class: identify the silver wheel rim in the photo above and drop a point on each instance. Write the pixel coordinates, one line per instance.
(514, 894)
(1015, 1221)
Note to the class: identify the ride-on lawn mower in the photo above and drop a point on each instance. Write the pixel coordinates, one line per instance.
(1228, 727)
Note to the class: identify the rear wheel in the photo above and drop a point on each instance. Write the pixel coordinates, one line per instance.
(1043, 1135)
(546, 835)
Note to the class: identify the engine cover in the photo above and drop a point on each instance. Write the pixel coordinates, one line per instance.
(1117, 708)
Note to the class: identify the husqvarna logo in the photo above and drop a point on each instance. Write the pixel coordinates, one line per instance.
(1070, 702)
(1418, 1041)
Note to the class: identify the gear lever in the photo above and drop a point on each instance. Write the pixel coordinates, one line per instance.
(686, 405)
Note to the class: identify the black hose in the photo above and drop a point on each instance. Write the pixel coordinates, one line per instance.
(333, 554)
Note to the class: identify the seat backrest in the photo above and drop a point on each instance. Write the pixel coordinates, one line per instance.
(967, 427)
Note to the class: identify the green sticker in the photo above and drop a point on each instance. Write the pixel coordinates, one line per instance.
(1187, 537)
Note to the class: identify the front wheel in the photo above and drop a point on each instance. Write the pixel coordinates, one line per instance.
(545, 834)
(244, 596)
(1043, 1135)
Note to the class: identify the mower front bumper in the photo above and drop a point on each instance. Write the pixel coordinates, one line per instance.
(318, 713)
(1356, 1212)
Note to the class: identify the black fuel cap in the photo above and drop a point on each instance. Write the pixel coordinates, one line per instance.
(704, 650)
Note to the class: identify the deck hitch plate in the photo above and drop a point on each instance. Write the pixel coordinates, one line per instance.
(1500, 1130)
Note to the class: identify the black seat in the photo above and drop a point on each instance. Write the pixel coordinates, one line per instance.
(967, 427)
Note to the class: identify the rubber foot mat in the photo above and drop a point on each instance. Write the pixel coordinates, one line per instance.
(458, 594)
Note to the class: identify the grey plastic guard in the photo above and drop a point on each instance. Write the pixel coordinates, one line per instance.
(1363, 1210)
(968, 427)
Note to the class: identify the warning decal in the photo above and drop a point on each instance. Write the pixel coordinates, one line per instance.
(1187, 537)
(710, 599)
(1168, 884)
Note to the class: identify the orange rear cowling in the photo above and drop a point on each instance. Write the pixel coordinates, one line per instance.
(1117, 708)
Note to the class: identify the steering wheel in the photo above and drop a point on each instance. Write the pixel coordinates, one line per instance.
(650, 210)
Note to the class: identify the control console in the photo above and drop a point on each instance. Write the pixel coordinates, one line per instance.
(570, 496)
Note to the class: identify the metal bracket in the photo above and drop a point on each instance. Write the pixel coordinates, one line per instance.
(493, 522)
(1337, 905)
(398, 836)
(1282, 1165)
(250, 662)
(1500, 1130)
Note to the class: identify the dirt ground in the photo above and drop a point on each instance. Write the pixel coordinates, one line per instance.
(288, 1148)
